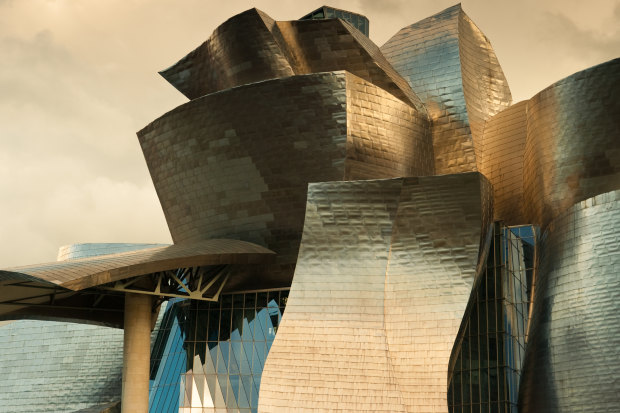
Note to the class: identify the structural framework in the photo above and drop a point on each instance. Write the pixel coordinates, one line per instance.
(356, 228)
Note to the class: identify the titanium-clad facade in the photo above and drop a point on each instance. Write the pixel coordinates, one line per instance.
(452, 67)
(418, 243)
(572, 149)
(572, 354)
(373, 297)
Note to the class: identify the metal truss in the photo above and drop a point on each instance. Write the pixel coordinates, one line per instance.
(193, 283)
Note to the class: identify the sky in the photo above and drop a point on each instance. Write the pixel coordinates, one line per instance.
(78, 78)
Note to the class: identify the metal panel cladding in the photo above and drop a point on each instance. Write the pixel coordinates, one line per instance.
(452, 67)
(383, 276)
(572, 357)
(572, 149)
(236, 164)
(503, 146)
(241, 50)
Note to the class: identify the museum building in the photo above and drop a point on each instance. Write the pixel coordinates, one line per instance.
(355, 228)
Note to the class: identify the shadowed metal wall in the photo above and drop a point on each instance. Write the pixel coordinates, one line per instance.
(382, 280)
(239, 51)
(251, 47)
(572, 358)
(451, 66)
(237, 163)
(572, 150)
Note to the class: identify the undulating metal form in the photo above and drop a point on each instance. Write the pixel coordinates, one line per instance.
(383, 276)
(452, 67)
(252, 47)
(501, 161)
(572, 357)
(572, 149)
(240, 51)
(227, 167)
(388, 161)
(486, 360)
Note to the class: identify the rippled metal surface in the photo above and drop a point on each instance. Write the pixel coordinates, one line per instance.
(572, 357)
(451, 66)
(252, 46)
(501, 161)
(382, 280)
(225, 166)
(572, 150)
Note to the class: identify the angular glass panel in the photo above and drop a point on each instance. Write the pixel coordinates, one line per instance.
(225, 324)
(248, 325)
(245, 391)
(236, 349)
(223, 355)
(237, 324)
(260, 325)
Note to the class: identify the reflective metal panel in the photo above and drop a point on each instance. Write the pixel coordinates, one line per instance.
(236, 164)
(451, 66)
(240, 51)
(572, 357)
(58, 367)
(501, 161)
(572, 151)
(383, 277)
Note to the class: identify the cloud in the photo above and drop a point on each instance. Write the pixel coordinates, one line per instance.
(566, 36)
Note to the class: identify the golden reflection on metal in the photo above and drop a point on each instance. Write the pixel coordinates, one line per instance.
(501, 161)
(451, 66)
(224, 166)
(572, 150)
(383, 276)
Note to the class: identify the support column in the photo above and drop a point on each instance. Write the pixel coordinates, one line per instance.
(136, 353)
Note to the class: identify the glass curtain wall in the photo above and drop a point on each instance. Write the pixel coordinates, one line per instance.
(211, 354)
(487, 357)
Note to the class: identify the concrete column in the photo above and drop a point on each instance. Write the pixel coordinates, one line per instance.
(136, 353)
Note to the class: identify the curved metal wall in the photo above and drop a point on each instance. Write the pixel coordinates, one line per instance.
(572, 357)
(383, 276)
(252, 47)
(485, 87)
(236, 164)
(451, 66)
(572, 150)
(241, 50)
(503, 145)
(326, 45)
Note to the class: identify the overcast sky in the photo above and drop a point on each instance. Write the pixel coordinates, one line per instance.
(78, 78)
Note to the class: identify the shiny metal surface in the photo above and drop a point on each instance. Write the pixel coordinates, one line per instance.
(572, 150)
(383, 276)
(79, 274)
(56, 367)
(501, 161)
(84, 250)
(240, 51)
(451, 66)
(572, 356)
(251, 47)
(225, 166)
